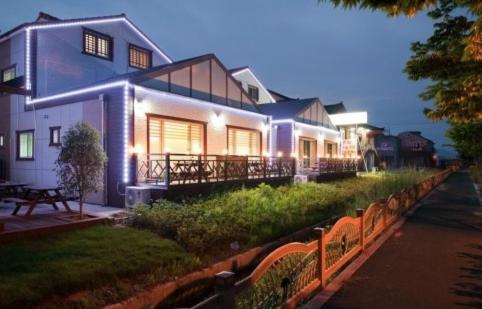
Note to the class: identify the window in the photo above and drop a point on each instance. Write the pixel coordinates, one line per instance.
(25, 140)
(139, 57)
(175, 136)
(54, 136)
(253, 92)
(244, 142)
(2, 140)
(97, 44)
(8, 74)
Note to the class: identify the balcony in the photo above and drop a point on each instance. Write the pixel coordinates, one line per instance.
(166, 170)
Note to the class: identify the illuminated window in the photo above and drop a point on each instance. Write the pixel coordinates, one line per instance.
(8, 74)
(253, 92)
(54, 136)
(97, 44)
(244, 142)
(2, 140)
(175, 136)
(139, 57)
(25, 145)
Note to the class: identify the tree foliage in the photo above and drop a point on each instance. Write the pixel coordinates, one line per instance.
(81, 161)
(467, 139)
(451, 58)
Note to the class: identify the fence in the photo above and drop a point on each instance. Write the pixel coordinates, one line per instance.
(292, 272)
(176, 169)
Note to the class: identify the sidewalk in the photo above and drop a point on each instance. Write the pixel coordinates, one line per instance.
(433, 261)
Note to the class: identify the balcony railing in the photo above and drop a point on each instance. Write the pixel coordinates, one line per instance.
(327, 165)
(179, 169)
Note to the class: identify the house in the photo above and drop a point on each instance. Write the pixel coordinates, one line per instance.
(388, 149)
(416, 150)
(169, 126)
(357, 136)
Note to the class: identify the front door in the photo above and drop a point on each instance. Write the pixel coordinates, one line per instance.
(307, 154)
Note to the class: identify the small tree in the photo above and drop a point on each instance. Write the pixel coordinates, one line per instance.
(81, 162)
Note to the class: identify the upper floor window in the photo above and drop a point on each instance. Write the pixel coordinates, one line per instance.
(25, 142)
(97, 44)
(8, 74)
(139, 57)
(253, 92)
(54, 136)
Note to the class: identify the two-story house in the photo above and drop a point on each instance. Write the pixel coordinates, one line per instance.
(162, 122)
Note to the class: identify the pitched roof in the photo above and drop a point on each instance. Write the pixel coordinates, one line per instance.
(417, 133)
(234, 70)
(336, 108)
(287, 109)
(279, 96)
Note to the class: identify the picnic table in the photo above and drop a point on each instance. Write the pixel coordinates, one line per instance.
(34, 195)
(11, 188)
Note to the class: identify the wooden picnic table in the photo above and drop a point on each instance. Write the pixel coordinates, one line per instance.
(34, 195)
(11, 188)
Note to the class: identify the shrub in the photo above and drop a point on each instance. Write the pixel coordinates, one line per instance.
(255, 216)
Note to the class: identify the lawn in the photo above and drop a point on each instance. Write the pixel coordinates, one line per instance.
(31, 271)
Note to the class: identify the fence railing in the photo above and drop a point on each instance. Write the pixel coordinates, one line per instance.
(337, 165)
(292, 272)
(176, 169)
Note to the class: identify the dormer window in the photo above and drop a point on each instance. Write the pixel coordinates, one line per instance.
(97, 44)
(139, 57)
(253, 92)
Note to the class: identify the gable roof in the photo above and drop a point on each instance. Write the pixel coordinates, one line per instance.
(278, 96)
(416, 133)
(48, 21)
(234, 70)
(288, 109)
(337, 108)
(260, 84)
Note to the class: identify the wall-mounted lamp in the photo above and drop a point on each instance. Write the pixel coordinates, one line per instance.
(279, 154)
(217, 120)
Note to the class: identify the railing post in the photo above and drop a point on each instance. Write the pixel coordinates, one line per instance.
(360, 213)
(279, 167)
(225, 287)
(321, 256)
(225, 168)
(246, 167)
(168, 169)
(199, 169)
(293, 167)
(264, 167)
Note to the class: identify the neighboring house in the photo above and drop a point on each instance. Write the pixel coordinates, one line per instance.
(416, 150)
(388, 149)
(357, 136)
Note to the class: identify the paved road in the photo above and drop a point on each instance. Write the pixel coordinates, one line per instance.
(433, 261)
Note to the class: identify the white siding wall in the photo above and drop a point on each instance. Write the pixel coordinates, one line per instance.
(314, 133)
(177, 106)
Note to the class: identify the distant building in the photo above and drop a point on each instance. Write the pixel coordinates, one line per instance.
(416, 150)
(388, 149)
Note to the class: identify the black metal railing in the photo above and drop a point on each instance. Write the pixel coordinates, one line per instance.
(337, 165)
(177, 169)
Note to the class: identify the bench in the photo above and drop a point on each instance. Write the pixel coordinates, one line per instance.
(19, 202)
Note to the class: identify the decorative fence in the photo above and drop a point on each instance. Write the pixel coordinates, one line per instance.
(292, 272)
(177, 169)
(337, 165)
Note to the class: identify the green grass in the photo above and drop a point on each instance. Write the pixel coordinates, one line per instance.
(32, 271)
(255, 216)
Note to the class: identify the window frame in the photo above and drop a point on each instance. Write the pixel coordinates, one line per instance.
(257, 92)
(141, 49)
(52, 129)
(18, 145)
(203, 124)
(14, 67)
(110, 44)
(231, 127)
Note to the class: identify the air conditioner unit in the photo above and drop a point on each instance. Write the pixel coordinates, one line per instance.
(300, 178)
(137, 195)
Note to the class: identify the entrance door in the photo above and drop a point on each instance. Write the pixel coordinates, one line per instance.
(307, 153)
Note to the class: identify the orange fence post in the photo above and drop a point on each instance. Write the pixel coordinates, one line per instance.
(321, 256)
(360, 212)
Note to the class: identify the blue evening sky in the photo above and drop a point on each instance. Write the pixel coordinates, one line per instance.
(300, 48)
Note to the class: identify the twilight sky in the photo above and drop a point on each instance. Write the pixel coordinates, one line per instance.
(300, 48)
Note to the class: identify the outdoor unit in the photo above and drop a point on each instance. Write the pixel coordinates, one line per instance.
(137, 195)
(300, 178)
